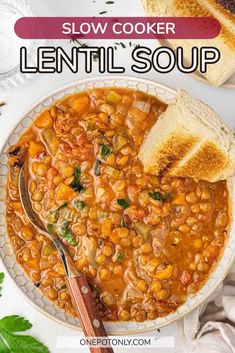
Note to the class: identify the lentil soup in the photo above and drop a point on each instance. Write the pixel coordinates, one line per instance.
(145, 242)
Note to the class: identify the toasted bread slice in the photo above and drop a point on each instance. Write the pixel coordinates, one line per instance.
(189, 140)
(216, 73)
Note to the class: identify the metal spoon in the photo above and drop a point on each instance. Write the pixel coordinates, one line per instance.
(78, 285)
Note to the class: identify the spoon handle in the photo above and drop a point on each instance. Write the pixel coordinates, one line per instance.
(86, 310)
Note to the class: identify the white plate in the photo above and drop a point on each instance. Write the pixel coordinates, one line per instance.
(17, 273)
(230, 83)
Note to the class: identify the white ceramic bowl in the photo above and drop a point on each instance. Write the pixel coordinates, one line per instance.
(17, 273)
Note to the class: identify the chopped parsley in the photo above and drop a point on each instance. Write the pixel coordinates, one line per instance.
(51, 229)
(2, 275)
(105, 150)
(68, 236)
(120, 256)
(80, 204)
(65, 204)
(76, 185)
(102, 12)
(158, 196)
(123, 203)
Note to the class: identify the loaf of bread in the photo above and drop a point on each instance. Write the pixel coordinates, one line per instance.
(223, 11)
(189, 140)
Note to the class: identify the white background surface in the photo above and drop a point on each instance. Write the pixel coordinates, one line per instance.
(18, 99)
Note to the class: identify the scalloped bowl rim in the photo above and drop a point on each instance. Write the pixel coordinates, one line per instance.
(16, 272)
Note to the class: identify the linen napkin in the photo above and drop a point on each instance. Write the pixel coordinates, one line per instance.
(210, 328)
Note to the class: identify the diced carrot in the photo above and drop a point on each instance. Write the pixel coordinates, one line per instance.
(179, 199)
(35, 148)
(64, 193)
(44, 121)
(80, 104)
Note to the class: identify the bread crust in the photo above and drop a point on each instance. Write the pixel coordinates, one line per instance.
(219, 72)
(189, 140)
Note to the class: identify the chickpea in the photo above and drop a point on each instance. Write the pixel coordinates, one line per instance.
(156, 286)
(125, 243)
(195, 208)
(104, 274)
(81, 262)
(107, 298)
(37, 206)
(122, 232)
(144, 259)
(203, 267)
(104, 117)
(184, 228)
(221, 220)
(32, 186)
(192, 266)
(37, 196)
(79, 229)
(205, 207)
(107, 250)
(197, 227)
(47, 282)
(119, 185)
(52, 293)
(142, 285)
(191, 198)
(64, 295)
(27, 233)
(118, 270)
(124, 315)
(137, 241)
(92, 271)
(126, 150)
(100, 259)
(40, 168)
(205, 195)
(35, 276)
(191, 221)
(197, 243)
(146, 248)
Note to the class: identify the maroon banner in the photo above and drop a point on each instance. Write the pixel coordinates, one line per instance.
(117, 28)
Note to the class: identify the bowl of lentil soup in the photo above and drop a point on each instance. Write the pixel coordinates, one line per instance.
(150, 246)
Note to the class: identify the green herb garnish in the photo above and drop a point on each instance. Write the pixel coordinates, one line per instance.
(68, 236)
(65, 204)
(10, 342)
(76, 185)
(51, 229)
(105, 150)
(79, 204)
(158, 196)
(63, 287)
(102, 12)
(2, 275)
(123, 203)
(109, 2)
(120, 256)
